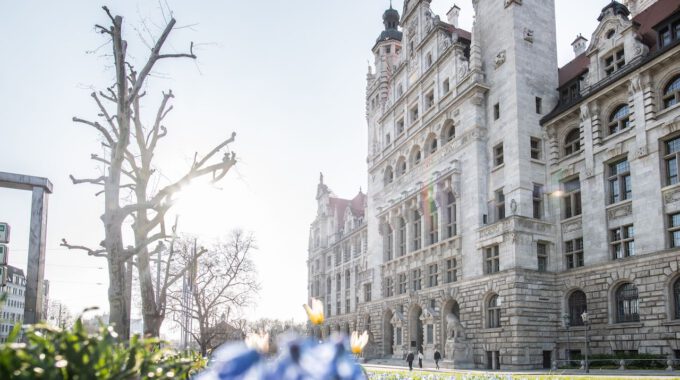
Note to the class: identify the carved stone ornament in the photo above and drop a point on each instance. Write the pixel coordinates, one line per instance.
(620, 212)
(671, 196)
(500, 59)
(529, 35)
(572, 226)
(510, 2)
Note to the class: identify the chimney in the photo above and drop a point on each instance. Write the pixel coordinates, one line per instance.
(579, 45)
(452, 15)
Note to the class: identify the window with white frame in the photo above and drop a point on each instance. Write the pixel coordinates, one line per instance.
(620, 186)
(450, 215)
(619, 119)
(416, 279)
(433, 275)
(451, 270)
(492, 259)
(493, 311)
(614, 62)
(672, 160)
(542, 256)
(622, 241)
(671, 93)
(571, 200)
(403, 283)
(536, 149)
(572, 142)
(573, 251)
(498, 155)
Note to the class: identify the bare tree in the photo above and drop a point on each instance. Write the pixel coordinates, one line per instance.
(222, 282)
(59, 314)
(128, 172)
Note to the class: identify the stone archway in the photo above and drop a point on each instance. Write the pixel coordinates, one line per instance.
(388, 334)
(450, 306)
(415, 328)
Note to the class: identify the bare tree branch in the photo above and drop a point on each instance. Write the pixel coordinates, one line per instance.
(90, 251)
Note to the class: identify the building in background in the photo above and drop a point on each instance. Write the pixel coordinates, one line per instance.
(12, 310)
(507, 196)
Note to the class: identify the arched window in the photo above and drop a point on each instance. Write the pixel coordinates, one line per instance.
(493, 311)
(401, 166)
(572, 143)
(417, 231)
(449, 132)
(627, 304)
(402, 237)
(432, 146)
(415, 156)
(619, 119)
(450, 216)
(671, 93)
(389, 175)
(577, 305)
(676, 299)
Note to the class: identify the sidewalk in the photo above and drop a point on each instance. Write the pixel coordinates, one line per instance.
(397, 365)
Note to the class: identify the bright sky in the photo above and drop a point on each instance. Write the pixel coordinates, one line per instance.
(287, 76)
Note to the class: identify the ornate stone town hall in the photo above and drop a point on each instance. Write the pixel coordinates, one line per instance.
(507, 196)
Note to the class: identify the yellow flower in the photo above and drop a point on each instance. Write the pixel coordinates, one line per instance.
(259, 342)
(315, 313)
(358, 342)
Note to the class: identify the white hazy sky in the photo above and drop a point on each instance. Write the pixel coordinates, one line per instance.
(287, 76)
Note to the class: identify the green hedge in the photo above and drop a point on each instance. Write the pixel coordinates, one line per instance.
(602, 361)
(50, 353)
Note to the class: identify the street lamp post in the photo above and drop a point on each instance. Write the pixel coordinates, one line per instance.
(566, 318)
(586, 323)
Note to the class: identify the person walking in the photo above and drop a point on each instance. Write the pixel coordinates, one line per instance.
(420, 359)
(437, 358)
(409, 359)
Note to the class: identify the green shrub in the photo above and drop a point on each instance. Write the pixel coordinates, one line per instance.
(50, 353)
(611, 361)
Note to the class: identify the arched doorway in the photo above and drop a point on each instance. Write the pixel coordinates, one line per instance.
(388, 334)
(450, 307)
(415, 329)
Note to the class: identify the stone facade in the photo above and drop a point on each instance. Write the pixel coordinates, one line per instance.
(485, 204)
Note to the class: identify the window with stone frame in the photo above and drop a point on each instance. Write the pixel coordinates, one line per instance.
(329, 283)
(338, 256)
(542, 256)
(536, 148)
(401, 237)
(622, 241)
(433, 224)
(539, 105)
(416, 156)
(668, 32)
(496, 111)
(403, 283)
(388, 243)
(432, 146)
(492, 259)
(493, 312)
(572, 142)
(389, 287)
(498, 155)
(620, 186)
(432, 275)
(627, 303)
(398, 333)
(338, 308)
(672, 160)
(413, 113)
(347, 251)
(571, 200)
(328, 261)
(417, 230)
(537, 198)
(449, 132)
(674, 230)
(428, 59)
(400, 90)
(446, 87)
(347, 306)
(429, 337)
(676, 298)
(328, 309)
(338, 283)
(500, 204)
(671, 93)
(429, 100)
(401, 166)
(416, 279)
(573, 251)
(400, 126)
(619, 119)
(451, 270)
(614, 62)
(367, 292)
(389, 175)
(450, 215)
(577, 305)
(348, 279)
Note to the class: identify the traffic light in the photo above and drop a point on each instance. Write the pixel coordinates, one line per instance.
(4, 252)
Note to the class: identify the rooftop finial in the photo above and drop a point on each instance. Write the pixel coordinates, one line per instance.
(390, 4)
(321, 178)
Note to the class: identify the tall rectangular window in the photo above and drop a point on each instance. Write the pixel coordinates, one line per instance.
(402, 237)
(537, 196)
(622, 242)
(430, 334)
(496, 111)
(536, 151)
(620, 187)
(367, 292)
(671, 155)
(498, 155)
(403, 283)
(451, 267)
(446, 87)
(429, 100)
(573, 250)
(572, 198)
(539, 105)
(417, 280)
(400, 126)
(500, 204)
(338, 308)
(389, 287)
(433, 275)
(542, 256)
(491, 259)
(414, 113)
(434, 225)
(450, 215)
(417, 230)
(674, 230)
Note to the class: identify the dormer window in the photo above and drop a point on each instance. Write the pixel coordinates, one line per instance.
(614, 62)
(610, 33)
(669, 32)
(619, 119)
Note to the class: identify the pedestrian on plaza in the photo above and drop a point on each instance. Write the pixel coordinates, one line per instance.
(409, 359)
(437, 358)
(420, 359)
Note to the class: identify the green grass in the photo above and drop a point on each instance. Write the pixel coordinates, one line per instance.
(399, 374)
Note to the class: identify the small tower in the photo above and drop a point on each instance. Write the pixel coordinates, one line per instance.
(580, 44)
(388, 44)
